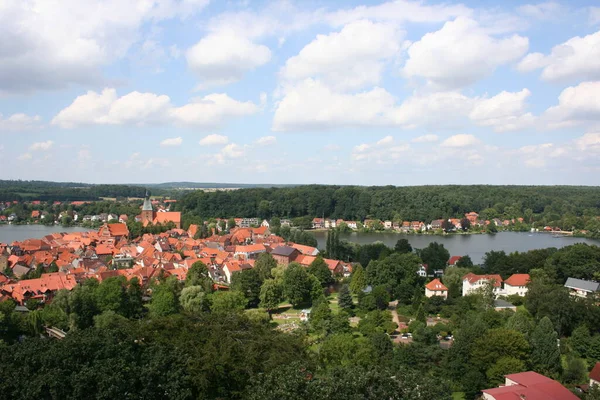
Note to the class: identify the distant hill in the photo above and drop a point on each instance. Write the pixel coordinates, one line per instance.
(210, 185)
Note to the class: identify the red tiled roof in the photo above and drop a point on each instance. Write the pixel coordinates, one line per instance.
(306, 250)
(472, 278)
(517, 280)
(436, 286)
(595, 373)
(165, 217)
(453, 260)
(531, 386)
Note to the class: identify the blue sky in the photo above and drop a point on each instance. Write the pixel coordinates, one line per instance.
(371, 93)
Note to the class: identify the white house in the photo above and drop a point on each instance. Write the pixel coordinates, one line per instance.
(516, 284)
(387, 224)
(422, 272)
(581, 287)
(472, 283)
(265, 223)
(229, 269)
(436, 288)
(352, 224)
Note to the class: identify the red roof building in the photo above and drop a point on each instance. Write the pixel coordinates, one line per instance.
(530, 386)
(595, 375)
(453, 260)
(436, 288)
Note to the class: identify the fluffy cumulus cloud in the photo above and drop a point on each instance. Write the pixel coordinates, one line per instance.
(438, 109)
(135, 108)
(576, 105)
(213, 140)
(41, 146)
(19, 122)
(429, 138)
(460, 140)
(49, 45)
(576, 59)
(385, 151)
(266, 140)
(223, 57)
(461, 53)
(312, 105)
(542, 11)
(172, 142)
(400, 11)
(348, 59)
(505, 111)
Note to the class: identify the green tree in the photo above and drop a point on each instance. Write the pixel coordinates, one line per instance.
(403, 246)
(248, 282)
(421, 316)
(320, 270)
(345, 299)
(520, 322)
(580, 340)
(435, 256)
(264, 264)
(198, 275)
(545, 353)
(193, 299)
(504, 366)
(227, 301)
(359, 280)
(575, 371)
(270, 295)
(164, 298)
(297, 285)
(465, 262)
(231, 223)
(496, 344)
(134, 304)
(320, 316)
(110, 295)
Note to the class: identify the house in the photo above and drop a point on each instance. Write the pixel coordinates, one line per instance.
(529, 385)
(265, 223)
(35, 214)
(116, 231)
(472, 283)
(436, 288)
(405, 227)
(422, 272)
(595, 375)
(149, 216)
(472, 217)
(318, 223)
(251, 251)
(330, 223)
(248, 222)
(285, 254)
(581, 287)
(516, 284)
(387, 225)
(453, 260)
(352, 225)
(417, 226)
(229, 269)
(500, 305)
(437, 224)
(123, 218)
(497, 222)
(306, 250)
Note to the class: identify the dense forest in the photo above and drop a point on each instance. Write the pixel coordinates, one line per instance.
(421, 203)
(65, 191)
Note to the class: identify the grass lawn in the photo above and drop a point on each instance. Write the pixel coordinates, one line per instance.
(458, 396)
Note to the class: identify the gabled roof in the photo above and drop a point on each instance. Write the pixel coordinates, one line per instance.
(531, 386)
(436, 286)
(472, 278)
(595, 373)
(588, 286)
(284, 251)
(306, 250)
(517, 280)
(453, 260)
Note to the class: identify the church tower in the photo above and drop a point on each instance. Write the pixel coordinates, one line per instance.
(147, 212)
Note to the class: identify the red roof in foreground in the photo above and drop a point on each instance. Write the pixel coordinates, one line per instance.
(595, 373)
(517, 280)
(531, 386)
(472, 278)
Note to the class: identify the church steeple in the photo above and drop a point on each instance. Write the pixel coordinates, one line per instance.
(147, 203)
(147, 211)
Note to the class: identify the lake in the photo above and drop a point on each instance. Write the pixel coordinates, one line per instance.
(11, 233)
(459, 245)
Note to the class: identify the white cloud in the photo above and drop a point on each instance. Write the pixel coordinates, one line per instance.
(135, 108)
(460, 140)
(19, 122)
(385, 141)
(425, 139)
(232, 150)
(576, 59)
(460, 54)
(49, 44)
(266, 140)
(172, 142)
(312, 105)
(439, 109)
(214, 139)
(576, 104)
(224, 57)
(400, 11)
(589, 141)
(25, 157)
(349, 59)
(41, 146)
(506, 111)
(542, 11)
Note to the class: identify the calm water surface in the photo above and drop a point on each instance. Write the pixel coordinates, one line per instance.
(473, 245)
(11, 233)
